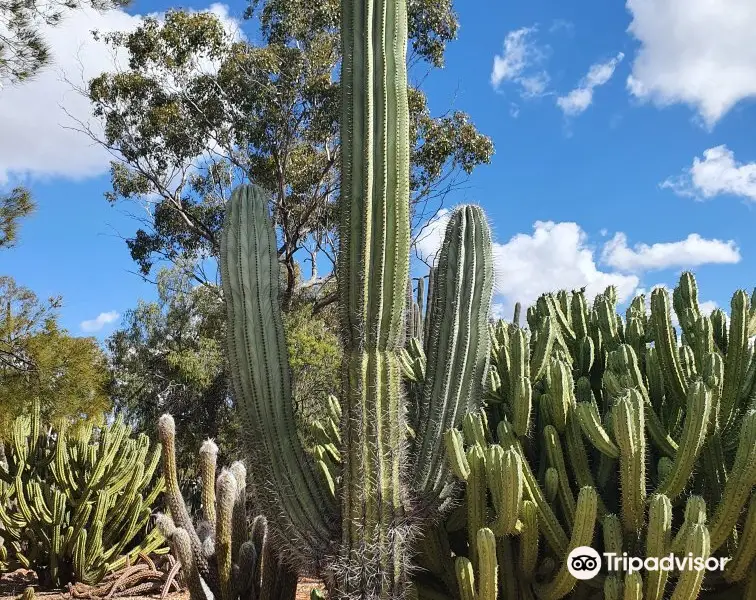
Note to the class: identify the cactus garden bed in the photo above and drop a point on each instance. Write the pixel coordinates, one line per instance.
(13, 584)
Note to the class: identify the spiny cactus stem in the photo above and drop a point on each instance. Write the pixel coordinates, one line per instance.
(208, 460)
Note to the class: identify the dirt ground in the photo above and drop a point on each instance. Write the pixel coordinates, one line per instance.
(13, 584)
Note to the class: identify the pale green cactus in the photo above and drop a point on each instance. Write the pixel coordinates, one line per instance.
(346, 510)
(75, 502)
(665, 433)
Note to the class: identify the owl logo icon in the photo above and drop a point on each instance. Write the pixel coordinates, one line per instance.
(584, 563)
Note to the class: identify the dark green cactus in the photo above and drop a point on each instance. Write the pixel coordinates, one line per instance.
(75, 502)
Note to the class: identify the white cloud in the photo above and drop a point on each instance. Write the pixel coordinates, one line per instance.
(579, 99)
(717, 173)
(690, 252)
(520, 55)
(707, 307)
(556, 256)
(534, 85)
(697, 52)
(35, 141)
(519, 50)
(94, 325)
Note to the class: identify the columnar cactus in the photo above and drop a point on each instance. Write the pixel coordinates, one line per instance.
(664, 434)
(352, 522)
(226, 553)
(75, 503)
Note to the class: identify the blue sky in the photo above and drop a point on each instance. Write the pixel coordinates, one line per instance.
(624, 139)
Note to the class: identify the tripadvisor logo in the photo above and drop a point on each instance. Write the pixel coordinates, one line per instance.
(584, 563)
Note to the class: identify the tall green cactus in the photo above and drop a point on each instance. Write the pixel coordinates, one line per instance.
(349, 516)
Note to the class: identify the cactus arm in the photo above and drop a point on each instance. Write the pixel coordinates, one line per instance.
(739, 484)
(556, 460)
(690, 580)
(179, 512)
(665, 342)
(208, 460)
(548, 522)
(459, 344)
(590, 423)
(736, 360)
(658, 543)
(582, 535)
(465, 578)
(487, 585)
(629, 431)
(633, 586)
(527, 558)
(476, 499)
(260, 373)
(505, 481)
(577, 456)
(551, 484)
(561, 395)
(745, 554)
(611, 529)
(508, 580)
(693, 436)
(226, 494)
(520, 393)
(613, 588)
(456, 454)
(183, 549)
(544, 342)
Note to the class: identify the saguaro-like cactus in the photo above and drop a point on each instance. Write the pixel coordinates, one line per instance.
(354, 527)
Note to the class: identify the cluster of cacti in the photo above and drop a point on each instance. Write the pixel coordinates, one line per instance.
(226, 556)
(75, 502)
(614, 434)
(354, 527)
(580, 397)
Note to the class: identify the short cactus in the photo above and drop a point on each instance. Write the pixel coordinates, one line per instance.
(226, 553)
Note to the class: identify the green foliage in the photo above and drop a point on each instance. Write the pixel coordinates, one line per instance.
(14, 206)
(23, 49)
(315, 359)
(75, 502)
(271, 113)
(41, 361)
(168, 356)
